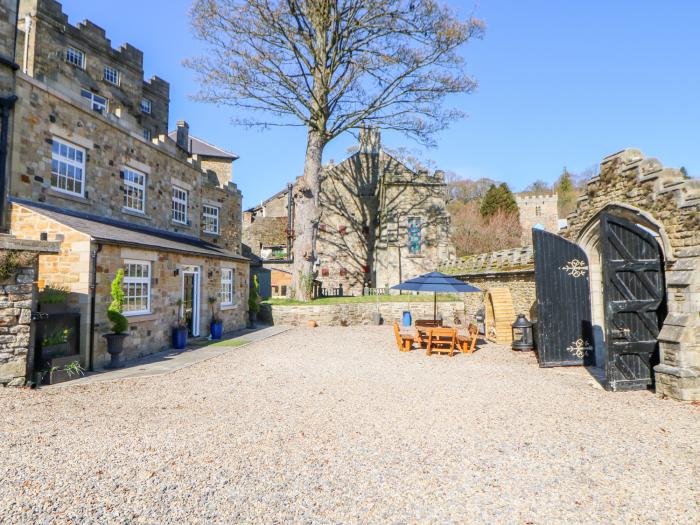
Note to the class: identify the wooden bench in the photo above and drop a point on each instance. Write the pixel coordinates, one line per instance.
(403, 341)
(442, 340)
(430, 323)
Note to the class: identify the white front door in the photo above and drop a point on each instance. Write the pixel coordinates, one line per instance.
(190, 298)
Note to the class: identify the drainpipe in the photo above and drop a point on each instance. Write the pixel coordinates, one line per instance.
(290, 222)
(93, 288)
(27, 32)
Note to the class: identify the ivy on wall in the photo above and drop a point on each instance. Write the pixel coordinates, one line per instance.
(12, 260)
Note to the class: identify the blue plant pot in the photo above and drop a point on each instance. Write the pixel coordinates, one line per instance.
(179, 338)
(216, 328)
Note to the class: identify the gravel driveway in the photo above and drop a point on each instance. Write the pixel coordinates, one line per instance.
(334, 425)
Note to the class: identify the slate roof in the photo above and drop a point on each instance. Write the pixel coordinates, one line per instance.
(111, 231)
(202, 148)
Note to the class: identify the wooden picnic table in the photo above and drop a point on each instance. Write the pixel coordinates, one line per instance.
(445, 339)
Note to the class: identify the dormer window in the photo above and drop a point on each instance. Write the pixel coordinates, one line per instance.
(146, 105)
(111, 75)
(97, 103)
(75, 57)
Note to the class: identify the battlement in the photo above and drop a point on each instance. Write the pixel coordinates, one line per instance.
(529, 199)
(85, 31)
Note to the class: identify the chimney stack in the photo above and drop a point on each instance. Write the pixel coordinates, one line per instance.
(183, 135)
(370, 140)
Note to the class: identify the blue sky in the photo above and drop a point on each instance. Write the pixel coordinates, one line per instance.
(561, 83)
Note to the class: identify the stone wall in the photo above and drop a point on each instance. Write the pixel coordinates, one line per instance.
(18, 294)
(71, 267)
(666, 204)
(8, 24)
(17, 300)
(452, 312)
(151, 333)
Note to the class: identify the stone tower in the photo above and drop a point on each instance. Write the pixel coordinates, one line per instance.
(542, 210)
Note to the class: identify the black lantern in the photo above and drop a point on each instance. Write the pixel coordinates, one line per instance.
(522, 333)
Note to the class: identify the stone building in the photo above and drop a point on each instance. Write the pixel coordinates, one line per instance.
(94, 170)
(381, 222)
(537, 211)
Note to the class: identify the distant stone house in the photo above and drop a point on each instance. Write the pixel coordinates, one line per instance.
(381, 222)
(94, 169)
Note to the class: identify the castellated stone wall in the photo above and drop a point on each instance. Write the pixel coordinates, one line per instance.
(49, 37)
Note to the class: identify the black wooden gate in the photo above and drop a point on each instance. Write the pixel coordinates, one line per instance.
(564, 330)
(635, 302)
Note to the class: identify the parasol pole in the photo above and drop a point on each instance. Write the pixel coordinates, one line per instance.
(434, 306)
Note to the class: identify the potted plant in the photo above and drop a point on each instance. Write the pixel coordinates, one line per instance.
(216, 326)
(53, 299)
(254, 300)
(60, 369)
(180, 329)
(115, 339)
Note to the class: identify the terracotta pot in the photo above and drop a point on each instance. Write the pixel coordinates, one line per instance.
(311, 324)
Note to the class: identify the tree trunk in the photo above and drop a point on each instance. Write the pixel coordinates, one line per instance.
(306, 218)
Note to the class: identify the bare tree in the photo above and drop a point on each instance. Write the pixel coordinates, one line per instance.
(332, 66)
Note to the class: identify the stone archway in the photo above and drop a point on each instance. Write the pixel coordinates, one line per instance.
(666, 206)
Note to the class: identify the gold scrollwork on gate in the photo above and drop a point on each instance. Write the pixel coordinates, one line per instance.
(579, 348)
(575, 268)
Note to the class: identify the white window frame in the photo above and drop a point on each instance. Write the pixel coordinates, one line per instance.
(210, 218)
(75, 57)
(67, 165)
(95, 104)
(111, 75)
(134, 186)
(227, 292)
(146, 106)
(179, 205)
(143, 281)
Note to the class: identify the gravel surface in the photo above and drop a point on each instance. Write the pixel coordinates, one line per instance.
(334, 425)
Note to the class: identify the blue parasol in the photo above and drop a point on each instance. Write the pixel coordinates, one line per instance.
(435, 282)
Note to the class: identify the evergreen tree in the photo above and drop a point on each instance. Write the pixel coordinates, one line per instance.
(684, 172)
(567, 193)
(498, 198)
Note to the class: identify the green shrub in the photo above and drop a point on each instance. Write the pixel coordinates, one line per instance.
(114, 312)
(254, 296)
(54, 294)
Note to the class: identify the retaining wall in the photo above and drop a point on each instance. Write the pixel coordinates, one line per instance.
(453, 312)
